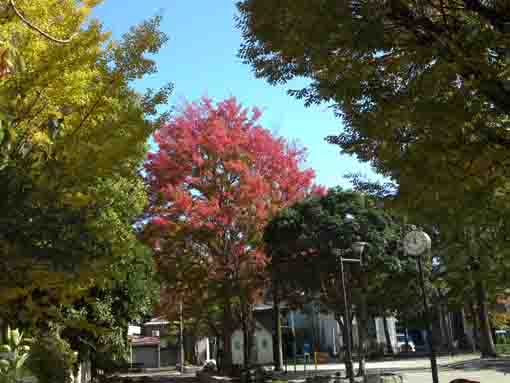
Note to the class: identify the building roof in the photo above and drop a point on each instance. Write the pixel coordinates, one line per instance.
(262, 307)
(144, 340)
(268, 306)
(158, 321)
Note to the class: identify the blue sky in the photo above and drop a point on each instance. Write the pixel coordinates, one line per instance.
(200, 59)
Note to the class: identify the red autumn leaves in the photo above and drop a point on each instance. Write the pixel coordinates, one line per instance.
(218, 172)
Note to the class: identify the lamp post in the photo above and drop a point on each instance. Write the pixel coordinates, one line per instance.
(416, 243)
(357, 248)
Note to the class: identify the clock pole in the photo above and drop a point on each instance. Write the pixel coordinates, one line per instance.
(416, 243)
(432, 348)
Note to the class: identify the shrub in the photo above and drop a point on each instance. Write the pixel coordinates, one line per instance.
(51, 360)
(13, 355)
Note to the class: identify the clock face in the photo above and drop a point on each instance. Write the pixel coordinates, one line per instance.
(416, 242)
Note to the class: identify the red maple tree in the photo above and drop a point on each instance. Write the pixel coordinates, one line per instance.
(215, 181)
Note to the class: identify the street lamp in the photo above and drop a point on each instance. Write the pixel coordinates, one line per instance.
(357, 248)
(416, 243)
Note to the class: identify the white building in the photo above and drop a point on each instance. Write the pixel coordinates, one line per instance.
(262, 352)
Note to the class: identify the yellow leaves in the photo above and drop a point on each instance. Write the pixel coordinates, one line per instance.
(41, 139)
(77, 199)
(87, 7)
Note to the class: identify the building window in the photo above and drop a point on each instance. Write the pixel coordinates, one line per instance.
(264, 343)
(155, 332)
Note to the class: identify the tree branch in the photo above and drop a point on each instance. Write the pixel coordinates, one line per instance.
(37, 29)
(495, 18)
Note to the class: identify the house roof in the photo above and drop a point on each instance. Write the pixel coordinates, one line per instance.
(268, 306)
(262, 307)
(158, 321)
(144, 340)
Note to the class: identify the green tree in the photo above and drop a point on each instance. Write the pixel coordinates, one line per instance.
(73, 137)
(301, 240)
(96, 324)
(400, 87)
(421, 88)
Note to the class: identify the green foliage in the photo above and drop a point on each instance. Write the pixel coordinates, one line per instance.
(99, 319)
(73, 137)
(302, 237)
(412, 81)
(13, 355)
(51, 359)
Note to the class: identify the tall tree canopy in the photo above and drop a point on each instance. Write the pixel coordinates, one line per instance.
(215, 180)
(73, 136)
(421, 85)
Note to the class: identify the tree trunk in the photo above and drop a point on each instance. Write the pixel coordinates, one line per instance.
(449, 330)
(251, 334)
(362, 330)
(362, 339)
(389, 345)
(248, 333)
(226, 355)
(278, 327)
(476, 337)
(246, 346)
(487, 346)
(445, 325)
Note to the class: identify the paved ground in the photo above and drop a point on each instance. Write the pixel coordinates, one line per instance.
(483, 376)
(405, 364)
(484, 371)
(466, 366)
(414, 371)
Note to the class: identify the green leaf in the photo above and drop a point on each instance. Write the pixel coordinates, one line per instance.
(5, 348)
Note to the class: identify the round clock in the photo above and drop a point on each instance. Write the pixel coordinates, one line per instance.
(416, 242)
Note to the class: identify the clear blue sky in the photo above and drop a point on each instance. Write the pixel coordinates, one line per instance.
(201, 60)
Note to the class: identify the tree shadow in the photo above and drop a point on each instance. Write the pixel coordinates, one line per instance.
(499, 365)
